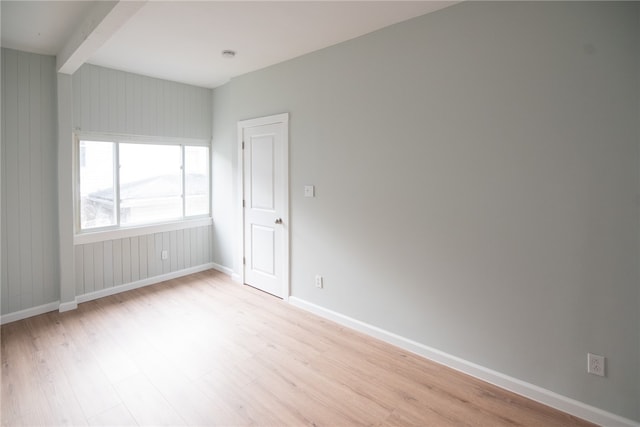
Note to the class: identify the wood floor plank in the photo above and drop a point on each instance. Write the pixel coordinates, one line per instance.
(203, 350)
(228, 384)
(65, 409)
(23, 400)
(146, 404)
(116, 416)
(91, 387)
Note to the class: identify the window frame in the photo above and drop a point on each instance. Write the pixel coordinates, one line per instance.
(97, 234)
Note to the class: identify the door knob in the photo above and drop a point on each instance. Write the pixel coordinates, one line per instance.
(278, 220)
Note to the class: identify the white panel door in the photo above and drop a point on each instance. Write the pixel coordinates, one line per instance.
(265, 207)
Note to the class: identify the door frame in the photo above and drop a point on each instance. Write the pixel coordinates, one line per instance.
(282, 118)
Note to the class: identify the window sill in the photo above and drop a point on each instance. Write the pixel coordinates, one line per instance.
(121, 233)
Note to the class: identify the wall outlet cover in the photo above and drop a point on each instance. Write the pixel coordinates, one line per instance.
(595, 364)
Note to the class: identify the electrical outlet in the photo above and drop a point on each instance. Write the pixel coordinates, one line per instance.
(165, 255)
(319, 281)
(595, 364)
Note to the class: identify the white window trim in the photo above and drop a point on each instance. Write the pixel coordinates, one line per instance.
(122, 232)
(157, 140)
(119, 232)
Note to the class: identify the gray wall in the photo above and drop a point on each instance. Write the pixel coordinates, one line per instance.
(106, 100)
(477, 174)
(223, 176)
(29, 202)
(111, 101)
(116, 262)
(33, 182)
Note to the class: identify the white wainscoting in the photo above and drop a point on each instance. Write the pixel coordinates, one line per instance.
(112, 263)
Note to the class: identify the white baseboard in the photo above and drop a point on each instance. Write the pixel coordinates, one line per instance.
(531, 391)
(228, 271)
(142, 283)
(72, 305)
(222, 269)
(29, 312)
(68, 306)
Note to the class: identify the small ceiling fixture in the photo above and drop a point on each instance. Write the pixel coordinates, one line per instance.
(228, 53)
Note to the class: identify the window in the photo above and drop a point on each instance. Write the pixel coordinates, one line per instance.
(97, 184)
(196, 180)
(124, 184)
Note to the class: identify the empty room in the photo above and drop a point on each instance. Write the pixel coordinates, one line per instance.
(329, 213)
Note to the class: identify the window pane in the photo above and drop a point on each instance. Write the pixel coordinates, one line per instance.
(196, 163)
(97, 192)
(150, 183)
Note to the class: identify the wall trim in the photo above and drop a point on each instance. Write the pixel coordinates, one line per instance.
(29, 312)
(142, 283)
(124, 137)
(222, 269)
(72, 305)
(531, 391)
(68, 306)
(124, 232)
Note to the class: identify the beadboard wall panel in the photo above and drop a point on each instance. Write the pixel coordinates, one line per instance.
(114, 101)
(112, 263)
(29, 192)
(104, 101)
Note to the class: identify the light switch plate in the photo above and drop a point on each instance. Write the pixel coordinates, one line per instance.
(309, 191)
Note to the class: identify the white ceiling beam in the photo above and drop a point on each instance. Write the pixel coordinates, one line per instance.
(101, 23)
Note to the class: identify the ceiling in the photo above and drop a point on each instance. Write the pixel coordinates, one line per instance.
(183, 40)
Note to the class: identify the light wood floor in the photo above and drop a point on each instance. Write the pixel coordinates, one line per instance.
(202, 350)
